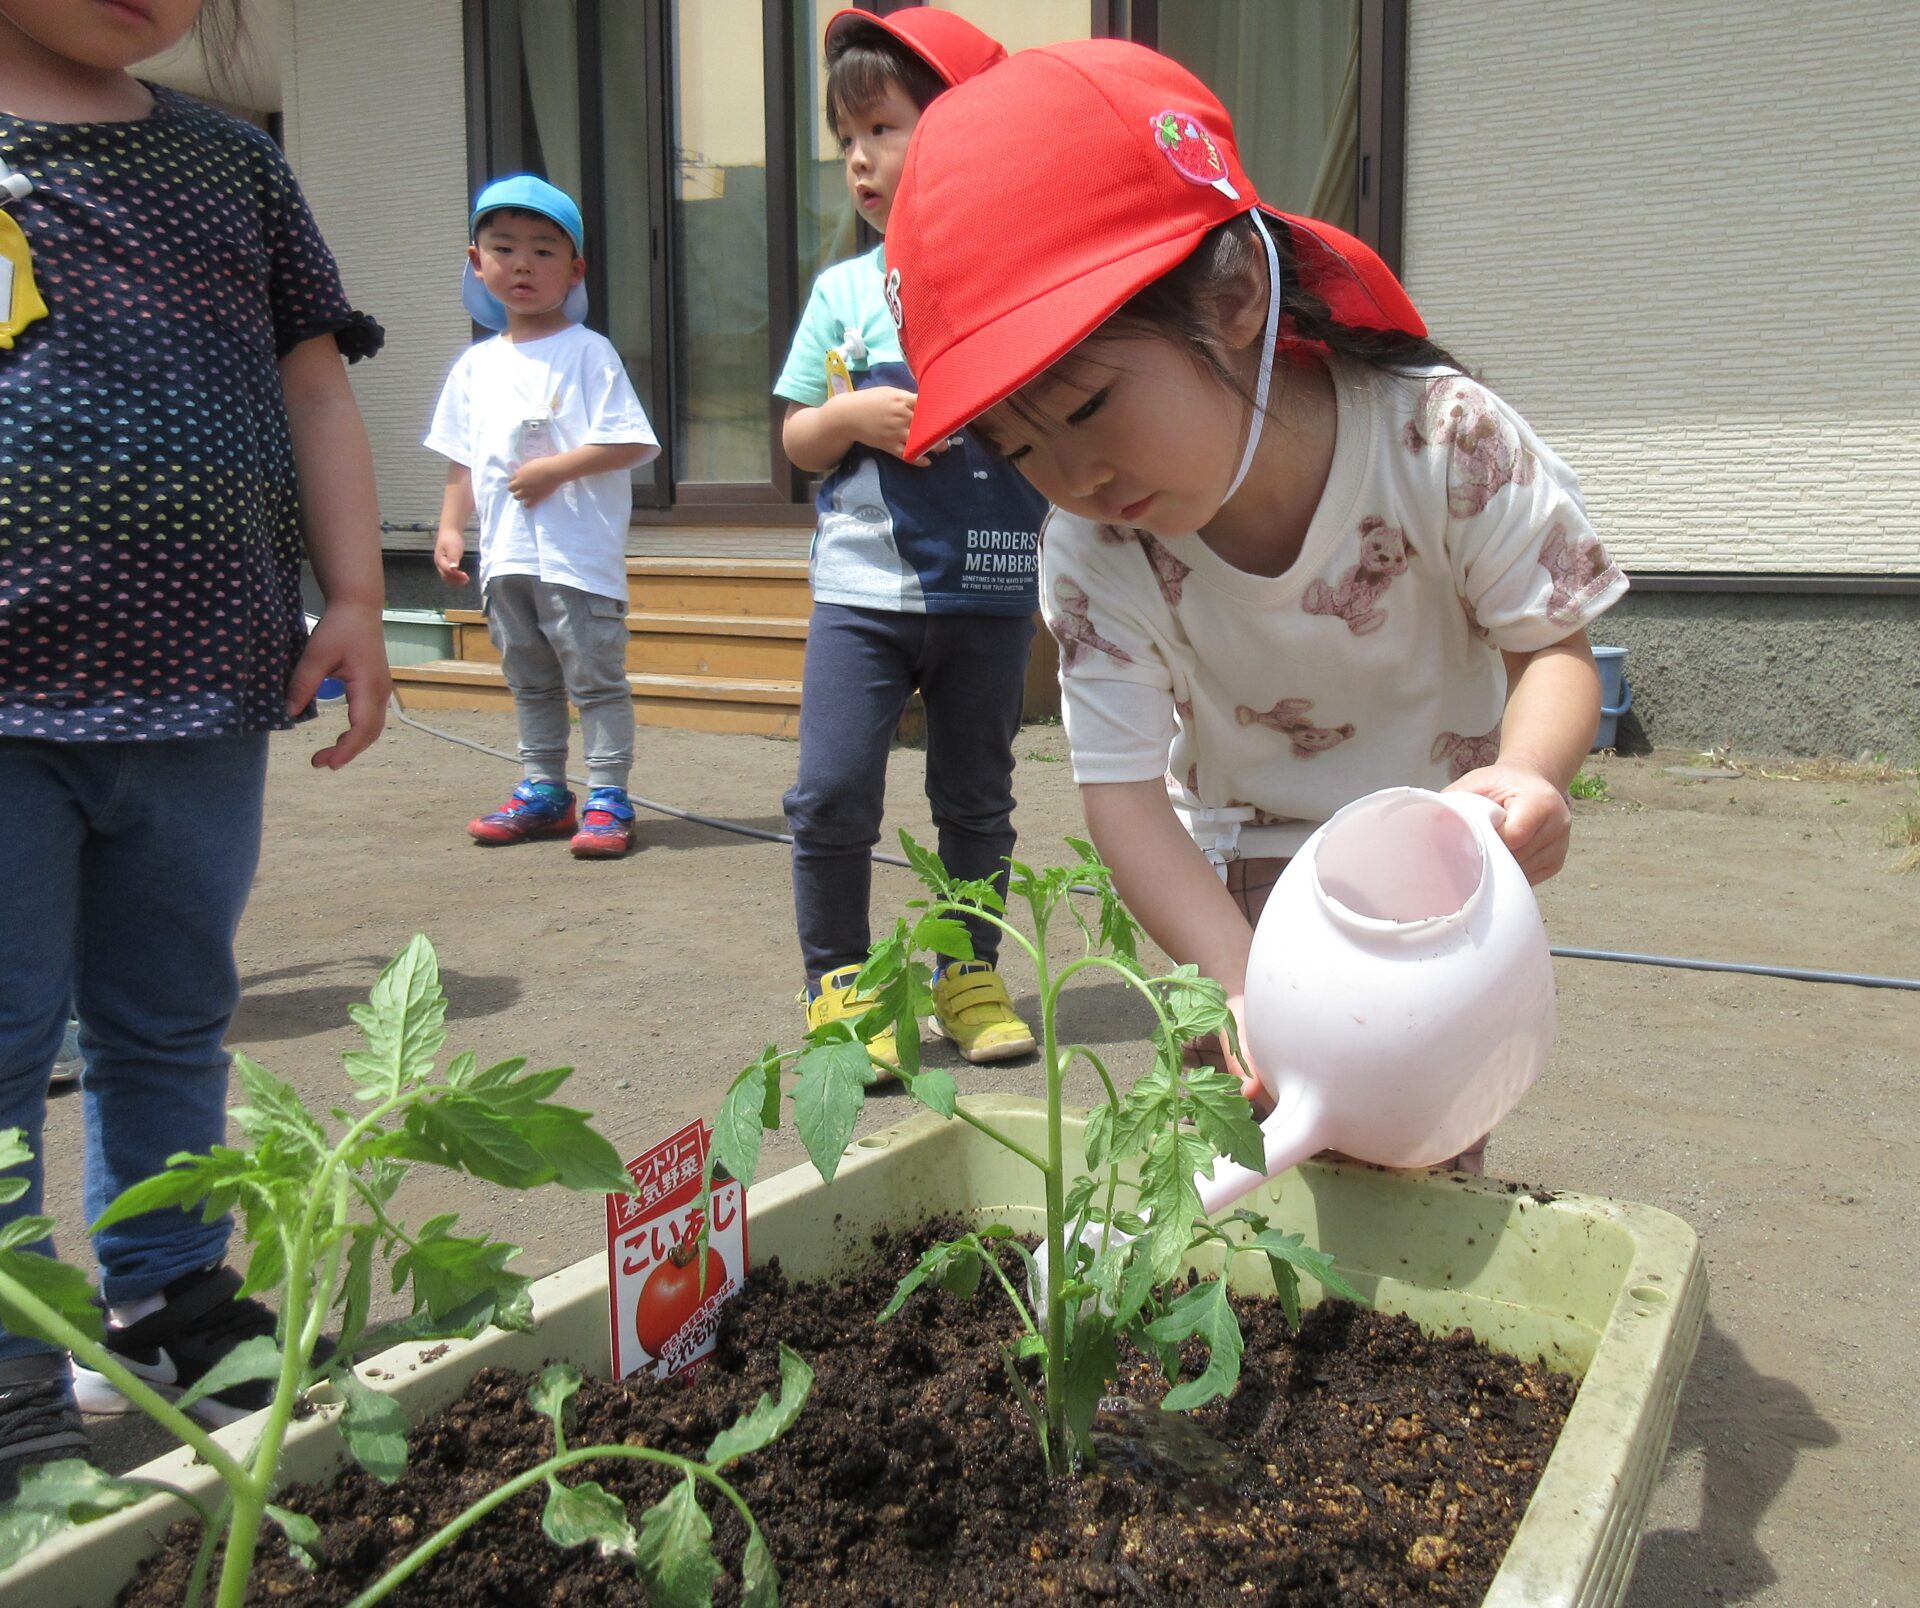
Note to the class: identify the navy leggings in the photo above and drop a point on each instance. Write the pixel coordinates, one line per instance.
(862, 664)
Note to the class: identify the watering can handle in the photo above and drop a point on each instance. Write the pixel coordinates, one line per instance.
(1475, 808)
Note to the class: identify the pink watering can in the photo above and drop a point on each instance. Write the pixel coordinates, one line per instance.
(1399, 991)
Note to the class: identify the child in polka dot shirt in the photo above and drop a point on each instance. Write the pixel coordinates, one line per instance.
(174, 419)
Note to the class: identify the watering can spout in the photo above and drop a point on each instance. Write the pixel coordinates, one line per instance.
(1290, 1134)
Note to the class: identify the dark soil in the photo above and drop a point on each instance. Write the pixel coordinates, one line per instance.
(1369, 1464)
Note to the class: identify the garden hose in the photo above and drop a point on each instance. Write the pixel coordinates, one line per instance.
(1797, 974)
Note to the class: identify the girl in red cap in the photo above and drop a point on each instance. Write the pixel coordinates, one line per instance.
(1297, 554)
(922, 570)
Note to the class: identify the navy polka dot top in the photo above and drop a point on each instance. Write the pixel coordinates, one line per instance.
(149, 523)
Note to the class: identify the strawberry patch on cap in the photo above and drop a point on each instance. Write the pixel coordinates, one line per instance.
(1184, 141)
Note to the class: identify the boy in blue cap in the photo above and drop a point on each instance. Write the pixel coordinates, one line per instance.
(542, 427)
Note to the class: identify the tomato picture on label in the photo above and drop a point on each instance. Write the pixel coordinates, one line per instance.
(672, 1295)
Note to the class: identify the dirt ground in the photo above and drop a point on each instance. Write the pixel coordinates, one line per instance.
(1777, 1117)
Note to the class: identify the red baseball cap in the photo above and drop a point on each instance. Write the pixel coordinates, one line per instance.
(947, 43)
(1036, 199)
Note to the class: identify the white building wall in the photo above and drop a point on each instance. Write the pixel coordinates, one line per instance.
(374, 98)
(1683, 237)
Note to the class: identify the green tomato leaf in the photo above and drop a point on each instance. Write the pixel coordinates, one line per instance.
(61, 1287)
(276, 1112)
(1203, 1314)
(1135, 1283)
(768, 1419)
(258, 1358)
(1168, 1195)
(25, 1231)
(448, 1270)
(303, 1535)
(675, 1550)
(54, 1496)
(953, 1264)
(1223, 1116)
(577, 1514)
(827, 1098)
(1099, 1135)
(403, 1023)
(926, 865)
(1092, 1361)
(580, 1158)
(934, 1088)
(480, 1140)
(552, 1391)
(759, 1580)
(1291, 1251)
(374, 1428)
(1151, 1106)
(946, 936)
(742, 1121)
(356, 1289)
(14, 1152)
(1196, 1005)
(505, 1308)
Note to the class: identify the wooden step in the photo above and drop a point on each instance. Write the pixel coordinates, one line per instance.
(765, 708)
(733, 646)
(730, 587)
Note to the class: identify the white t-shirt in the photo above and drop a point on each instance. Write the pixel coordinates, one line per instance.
(505, 402)
(1447, 532)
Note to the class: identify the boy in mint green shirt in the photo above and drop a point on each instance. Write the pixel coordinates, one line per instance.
(923, 575)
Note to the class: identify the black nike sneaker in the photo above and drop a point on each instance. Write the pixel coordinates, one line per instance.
(174, 1348)
(38, 1420)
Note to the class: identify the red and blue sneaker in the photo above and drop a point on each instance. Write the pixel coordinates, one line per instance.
(536, 810)
(606, 825)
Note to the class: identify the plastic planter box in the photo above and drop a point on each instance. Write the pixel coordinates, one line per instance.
(1607, 1290)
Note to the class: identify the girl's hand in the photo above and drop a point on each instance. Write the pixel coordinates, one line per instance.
(1539, 821)
(1241, 1066)
(449, 547)
(346, 643)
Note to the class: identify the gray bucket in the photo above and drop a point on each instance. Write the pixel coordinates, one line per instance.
(1616, 694)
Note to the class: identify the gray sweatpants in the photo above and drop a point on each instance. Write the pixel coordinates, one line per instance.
(558, 643)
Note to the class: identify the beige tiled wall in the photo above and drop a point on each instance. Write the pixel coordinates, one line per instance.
(1684, 238)
(374, 99)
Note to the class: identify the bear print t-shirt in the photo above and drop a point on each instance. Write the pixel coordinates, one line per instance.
(1447, 533)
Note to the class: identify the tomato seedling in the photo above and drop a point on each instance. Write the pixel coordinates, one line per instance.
(313, 1205)
(1148, 1143)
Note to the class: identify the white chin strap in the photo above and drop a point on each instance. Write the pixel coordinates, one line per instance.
(1266, 357)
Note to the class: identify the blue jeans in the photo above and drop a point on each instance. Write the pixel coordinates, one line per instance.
(971, 670)
(124, 868)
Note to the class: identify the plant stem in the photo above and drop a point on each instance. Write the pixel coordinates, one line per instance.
(444, 1538)
(1054, 1364)
(993, 1133)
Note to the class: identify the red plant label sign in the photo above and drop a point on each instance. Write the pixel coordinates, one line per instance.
(664, 1297)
